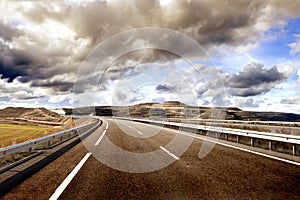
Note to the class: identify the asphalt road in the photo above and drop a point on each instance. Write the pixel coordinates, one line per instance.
(130, 160)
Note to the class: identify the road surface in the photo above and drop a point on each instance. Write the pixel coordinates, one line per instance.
(129, 172)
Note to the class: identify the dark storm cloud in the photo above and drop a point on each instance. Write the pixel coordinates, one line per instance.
(58, 86)
(142, 56)
(9, 74)
(246, 92)
(38, 56)
(6, 32)
(165, 88)
(13, 63)
(11, 60)
(162, 88)
(208, 22)
(253, 80)
(18, 63)
(254, 74)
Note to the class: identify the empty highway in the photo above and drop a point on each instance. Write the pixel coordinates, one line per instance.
(129, 160)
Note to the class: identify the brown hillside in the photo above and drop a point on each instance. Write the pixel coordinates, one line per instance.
(14, 112)
(31, 114)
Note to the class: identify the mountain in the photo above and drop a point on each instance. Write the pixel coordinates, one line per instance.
(30, 114)
(277, 116)
(175, 109)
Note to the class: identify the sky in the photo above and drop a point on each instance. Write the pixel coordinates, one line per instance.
(60, 53)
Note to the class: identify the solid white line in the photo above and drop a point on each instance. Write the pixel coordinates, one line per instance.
(106, 125)
(69, 178)
(139, 132)
(168, 152)
(242, 149)
(100, 138)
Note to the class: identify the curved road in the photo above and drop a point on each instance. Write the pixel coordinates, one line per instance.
(225, 173)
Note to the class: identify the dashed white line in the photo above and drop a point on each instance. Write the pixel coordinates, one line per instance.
(139, 132)
(129, 126)
(100, 138)
(168, 152)
(102, 135)
(69, 178)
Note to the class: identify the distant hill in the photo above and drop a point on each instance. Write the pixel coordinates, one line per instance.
(14, 112)
(175, 109)
(98, 110)
(277, 116)
(38, 114)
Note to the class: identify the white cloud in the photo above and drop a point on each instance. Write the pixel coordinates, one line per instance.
(42, 44)
(295, 46)
(59, 98)
(246, 103)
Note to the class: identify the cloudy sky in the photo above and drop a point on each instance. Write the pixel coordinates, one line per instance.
(250, 57)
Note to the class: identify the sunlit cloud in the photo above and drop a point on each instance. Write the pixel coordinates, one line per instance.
(43, 44)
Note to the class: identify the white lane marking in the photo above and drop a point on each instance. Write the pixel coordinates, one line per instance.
(127, 125)
(168, 152)
(100, 138)
(242, 149)
(69, 178)
(139, 132)
(106, 125)
(134, 129)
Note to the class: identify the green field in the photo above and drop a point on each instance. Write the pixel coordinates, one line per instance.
(11, 134)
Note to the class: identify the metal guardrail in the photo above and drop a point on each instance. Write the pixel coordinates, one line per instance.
(278, 123)
(32, 144)
(294, 140)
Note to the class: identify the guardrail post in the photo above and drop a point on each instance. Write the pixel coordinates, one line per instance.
(238, 139)
(226, 136)
(49, 143)
(252, 142)
(294, 147)
(270, 145)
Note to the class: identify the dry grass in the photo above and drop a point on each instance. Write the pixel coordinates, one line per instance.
(11, 134)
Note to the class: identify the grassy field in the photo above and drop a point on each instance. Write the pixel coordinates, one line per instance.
(11, 134)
